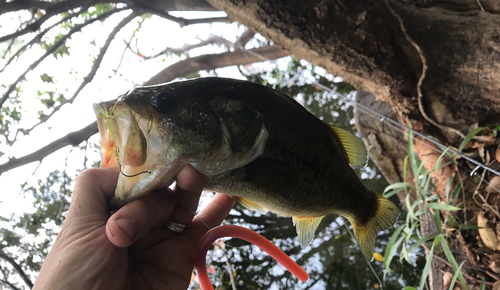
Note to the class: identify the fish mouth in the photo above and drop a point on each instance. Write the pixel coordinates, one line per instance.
(134, 144)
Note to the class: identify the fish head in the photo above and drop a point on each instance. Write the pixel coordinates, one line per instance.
(152, 132)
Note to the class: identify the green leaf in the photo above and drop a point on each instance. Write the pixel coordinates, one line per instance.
(422, 240)
(469, 227)
(397, 185)
(457, 273)
(483, 284)
(468, 138)
(440, 206)
(448, 187)
(427, 267)
(409, 288)
(46, 78)
(437, 220)
(453, 262)
(395, 188)
(391, 249)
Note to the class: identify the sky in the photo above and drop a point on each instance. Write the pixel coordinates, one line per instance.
(70, 70)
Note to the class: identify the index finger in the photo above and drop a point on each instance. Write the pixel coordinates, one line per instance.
(211, 216)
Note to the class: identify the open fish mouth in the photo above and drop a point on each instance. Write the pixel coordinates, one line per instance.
(134, 144)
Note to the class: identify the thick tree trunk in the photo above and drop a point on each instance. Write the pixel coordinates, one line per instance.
(432, 64)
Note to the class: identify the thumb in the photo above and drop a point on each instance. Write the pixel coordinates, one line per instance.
(93, 188)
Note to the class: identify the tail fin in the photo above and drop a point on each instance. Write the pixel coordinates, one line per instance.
(386, 216)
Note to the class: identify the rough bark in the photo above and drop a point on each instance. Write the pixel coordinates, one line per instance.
(432, 64)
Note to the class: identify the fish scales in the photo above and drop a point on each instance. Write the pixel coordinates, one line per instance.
(251, 142)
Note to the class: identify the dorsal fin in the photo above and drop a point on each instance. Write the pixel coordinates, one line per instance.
(250, 204)
(306, 228)
(353, 146)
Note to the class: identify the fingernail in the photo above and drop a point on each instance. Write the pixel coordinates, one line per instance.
(127, 226)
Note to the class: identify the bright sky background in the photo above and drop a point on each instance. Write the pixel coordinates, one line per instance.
(69, 72)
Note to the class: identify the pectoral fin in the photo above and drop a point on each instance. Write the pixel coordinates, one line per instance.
(306, 228)
(250, 204)
(353, 146)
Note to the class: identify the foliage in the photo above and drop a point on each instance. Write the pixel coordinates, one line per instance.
(407, 238)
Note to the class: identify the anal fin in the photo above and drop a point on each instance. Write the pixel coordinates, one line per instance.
(250, 204)
(306, 228)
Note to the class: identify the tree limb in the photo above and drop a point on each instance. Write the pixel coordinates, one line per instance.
(212, 61)
(22, 5)
(9, 284)
(50, 10)
(179, 69)
(39, 36)
(88, 78)
(180, 5)
(179, 20)
(73, 138)
(18, 268)
(211, 40)
(244, 38)
(53, 48)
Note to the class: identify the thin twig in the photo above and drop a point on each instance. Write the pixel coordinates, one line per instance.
(18, 268)
(9, 284)
(53, 48)
(211, 40)
(244, 38)
(90, 76)
(229, 267)
(127, 45)
(480, 6)
(38, 37)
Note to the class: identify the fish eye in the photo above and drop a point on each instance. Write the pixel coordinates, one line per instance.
(162, 102)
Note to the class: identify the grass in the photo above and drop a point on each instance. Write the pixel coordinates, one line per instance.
(408, 238)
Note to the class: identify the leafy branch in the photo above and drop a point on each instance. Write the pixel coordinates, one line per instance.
(87, 79)
(50, 10)
(39, 36)
(54, 48)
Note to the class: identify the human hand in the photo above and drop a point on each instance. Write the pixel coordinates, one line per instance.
(131, 249)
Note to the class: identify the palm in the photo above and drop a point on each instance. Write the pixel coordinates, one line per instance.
(130, 249)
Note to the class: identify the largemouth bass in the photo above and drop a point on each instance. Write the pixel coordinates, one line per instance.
(251, 142)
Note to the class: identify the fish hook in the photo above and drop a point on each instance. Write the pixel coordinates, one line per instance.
(249, 236)
(133, 175)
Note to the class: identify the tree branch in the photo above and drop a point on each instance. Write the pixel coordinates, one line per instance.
(39, 36)
(179, 20)
(73, 138)
(23, 5)
(88, 78)
(212, 61)
(50, 10)
(244, 39)
(211, 40)
(179, 69)
(207, 20)
(18, 268)
(180, 5)
(53, 48)
(9, 284)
